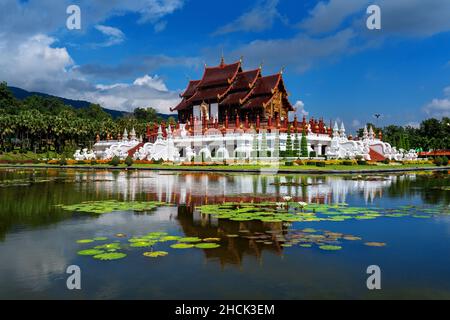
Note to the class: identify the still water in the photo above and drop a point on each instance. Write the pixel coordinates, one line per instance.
(38, 239)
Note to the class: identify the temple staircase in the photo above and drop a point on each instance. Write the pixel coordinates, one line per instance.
(376, 156)
(132, 151)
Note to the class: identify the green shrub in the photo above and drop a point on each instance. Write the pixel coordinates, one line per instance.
(386, 161)
(80, 162)
(94, 162)
(438, 161)
(445, 161)
(63, 161)
(115, 161)
(312, 154)
(361, 162)
(129, 161)
(320, 164)
(347, 163)
(289, 163)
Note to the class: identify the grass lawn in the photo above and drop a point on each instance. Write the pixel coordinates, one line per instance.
(247, 167)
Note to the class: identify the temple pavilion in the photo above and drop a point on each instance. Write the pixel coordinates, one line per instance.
(228, 91)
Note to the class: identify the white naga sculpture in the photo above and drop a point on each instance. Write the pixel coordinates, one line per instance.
(342, 148)
(162, 148)
(84, 155)
(239, 144)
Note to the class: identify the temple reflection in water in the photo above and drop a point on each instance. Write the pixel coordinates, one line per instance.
(200, 188)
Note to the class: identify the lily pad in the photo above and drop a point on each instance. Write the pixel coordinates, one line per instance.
(83, 241)
(330, 248)
(110, 256)
(190, 239)
(90, 252)
(207, 245)
(182, 246)
(375, 244)
(155, 254)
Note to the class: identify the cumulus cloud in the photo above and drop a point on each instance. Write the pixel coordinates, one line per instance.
(298, 53)
(399, 17)
(146, 91)
(439, 107)
(299, 107)
(261, 17)
(329, 16)
(133, 66)
(35, 63)
(115, 35)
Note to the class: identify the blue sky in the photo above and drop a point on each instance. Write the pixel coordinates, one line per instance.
(141, 53)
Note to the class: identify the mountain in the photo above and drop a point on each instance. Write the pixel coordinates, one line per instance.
(22, 94)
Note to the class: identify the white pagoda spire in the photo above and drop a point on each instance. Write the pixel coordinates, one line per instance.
(342, 131)
(125, 135)
(336, 129)
(133, 134)
(365, 133)
(160, 135)
(371, 133)
(169, 132)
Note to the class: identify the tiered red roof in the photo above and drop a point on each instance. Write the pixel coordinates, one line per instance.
(229, 85)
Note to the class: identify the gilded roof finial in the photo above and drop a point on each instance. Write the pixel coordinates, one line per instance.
(241, 59)
(282, 70)
(222, 60)
(261, 65)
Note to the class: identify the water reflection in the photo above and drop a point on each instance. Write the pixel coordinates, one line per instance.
(39, 239)
(29, 196)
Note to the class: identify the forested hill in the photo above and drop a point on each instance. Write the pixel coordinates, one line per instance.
(22, 94)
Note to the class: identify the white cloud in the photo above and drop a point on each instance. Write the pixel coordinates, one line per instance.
(115, 35)
(35, 63)
(439, 107)
(143, 92)
(261, 17)
(151, 82)
(299, 106)
(298, 53)
(328, 16)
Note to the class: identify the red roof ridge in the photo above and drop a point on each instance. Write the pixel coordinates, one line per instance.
(255, 86)
(258, 71)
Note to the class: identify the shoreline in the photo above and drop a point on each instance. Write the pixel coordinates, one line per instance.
(237, 169)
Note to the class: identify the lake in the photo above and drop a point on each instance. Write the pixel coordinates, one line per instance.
(399, 222)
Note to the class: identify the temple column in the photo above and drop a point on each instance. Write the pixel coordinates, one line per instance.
(319, 149)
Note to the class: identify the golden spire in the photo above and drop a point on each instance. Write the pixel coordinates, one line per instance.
(222, 60)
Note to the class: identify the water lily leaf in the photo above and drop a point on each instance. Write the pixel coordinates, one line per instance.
(190, 239)
(155, 254)
(90, 252)
(207, 245)
(109, 246)
(211, 239)
(330, 248)
(305, 245)
(182, 246)
(100, 238)
(351, 238)
(142, 244)
(375, 244)
(82, 241)
(110, 256)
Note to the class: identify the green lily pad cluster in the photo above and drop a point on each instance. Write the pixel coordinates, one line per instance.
(114, 250)
(108, 206)
(304, 238)
(294, 212)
